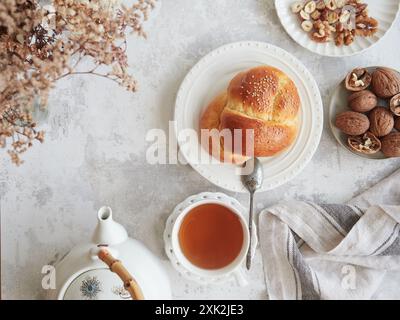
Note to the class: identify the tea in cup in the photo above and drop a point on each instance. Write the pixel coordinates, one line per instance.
(207, 237)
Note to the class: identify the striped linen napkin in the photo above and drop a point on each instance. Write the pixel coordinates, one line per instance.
(322, 251)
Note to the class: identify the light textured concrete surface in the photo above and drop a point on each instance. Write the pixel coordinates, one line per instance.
(95, 148)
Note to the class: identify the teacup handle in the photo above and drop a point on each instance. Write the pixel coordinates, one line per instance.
(240, 278)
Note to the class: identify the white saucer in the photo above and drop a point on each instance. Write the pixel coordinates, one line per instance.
(216, 278)
(211, 76)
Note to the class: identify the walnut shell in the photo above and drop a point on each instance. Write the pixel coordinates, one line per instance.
(395, 104)
(391, 145)
(358, 79)
(366, 143)
(362, 101)
(381, 121)
(397, 124)
(385, 82)
(352, 123)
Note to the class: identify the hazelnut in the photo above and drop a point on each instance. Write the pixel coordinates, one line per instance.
(362, 101)
(385, 82)
(366, 143)
(357, 80)
(397, 124)
(395, 104)
(391, 145)
(352, 123)
(381, 121)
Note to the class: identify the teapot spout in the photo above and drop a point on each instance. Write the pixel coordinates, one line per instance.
(108, 232)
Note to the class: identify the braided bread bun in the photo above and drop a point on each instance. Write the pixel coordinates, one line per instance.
(264, 99)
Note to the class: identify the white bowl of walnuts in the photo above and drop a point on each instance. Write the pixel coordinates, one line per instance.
(365, 112)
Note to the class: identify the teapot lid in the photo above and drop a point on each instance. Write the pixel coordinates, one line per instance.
(97, 284)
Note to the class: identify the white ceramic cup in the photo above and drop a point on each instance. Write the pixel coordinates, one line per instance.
(179, 260)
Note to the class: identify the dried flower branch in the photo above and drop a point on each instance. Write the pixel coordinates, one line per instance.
(42, 44)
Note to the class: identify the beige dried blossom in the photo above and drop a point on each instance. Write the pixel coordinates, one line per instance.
(42, 44)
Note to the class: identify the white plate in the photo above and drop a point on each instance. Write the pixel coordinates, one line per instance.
(385, 11)
(211, 76)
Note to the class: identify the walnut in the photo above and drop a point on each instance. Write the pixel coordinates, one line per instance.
(324, 14)
(320, 37)
(352, 123)
(397, 124)
(362, 101)
(358, 79)
(391, 145)
(329, 28)
(322, 33)
(348, 38)
(339, 39)
(395, 104)
(319, 24)
(381, 121)
(385, 82)
(366, 26)
(366, 143)
(339, 27)
(340, 33)
(316, 15)
(332, 17)
(361, 8)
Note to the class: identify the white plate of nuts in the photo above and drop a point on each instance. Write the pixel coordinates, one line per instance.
(337, 28)
(364, 112)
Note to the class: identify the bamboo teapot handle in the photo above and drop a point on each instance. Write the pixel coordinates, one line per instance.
(117, 267)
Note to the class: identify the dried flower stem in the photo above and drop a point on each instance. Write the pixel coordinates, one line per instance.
(36, 49)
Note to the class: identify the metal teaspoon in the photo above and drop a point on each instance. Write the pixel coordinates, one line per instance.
(252, 181)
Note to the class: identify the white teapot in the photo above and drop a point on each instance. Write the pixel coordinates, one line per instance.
(81, 274)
